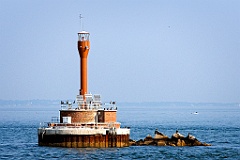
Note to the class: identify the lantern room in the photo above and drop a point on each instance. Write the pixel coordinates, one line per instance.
(83, 36)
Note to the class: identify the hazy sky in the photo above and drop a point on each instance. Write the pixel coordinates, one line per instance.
(141, 50)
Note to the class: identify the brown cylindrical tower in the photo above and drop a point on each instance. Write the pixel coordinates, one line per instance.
(83, 48)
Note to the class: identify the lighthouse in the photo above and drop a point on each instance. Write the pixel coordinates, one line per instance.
(83, 49)
(86, 122)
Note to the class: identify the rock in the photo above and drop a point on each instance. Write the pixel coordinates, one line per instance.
(132, 142)
(197, 143)
(190, 137)
(161, 143)
(181, 143)
(206, 144)
(160, 139)
(139, 143)
(177, 135)
(171, 144)
(147, 142)
(153, 143)
(159, 135)
(148, 138)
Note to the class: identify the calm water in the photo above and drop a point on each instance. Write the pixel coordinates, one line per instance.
(217, 125)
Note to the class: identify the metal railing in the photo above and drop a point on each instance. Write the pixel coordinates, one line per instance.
(80, 125)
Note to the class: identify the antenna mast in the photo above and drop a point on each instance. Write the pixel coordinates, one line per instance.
(81, 23)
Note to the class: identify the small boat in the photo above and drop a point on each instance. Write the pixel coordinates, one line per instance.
(195, 113)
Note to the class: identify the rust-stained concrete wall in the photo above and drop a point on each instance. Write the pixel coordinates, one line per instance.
(83, 141)
(110, 116)
(81, 116)
(89, 116)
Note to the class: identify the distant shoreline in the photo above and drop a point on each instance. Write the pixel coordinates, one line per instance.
(57, 102)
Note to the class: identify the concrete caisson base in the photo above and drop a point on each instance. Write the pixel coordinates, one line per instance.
(78, 140)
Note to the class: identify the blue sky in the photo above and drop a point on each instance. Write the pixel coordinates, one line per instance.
(140, 50)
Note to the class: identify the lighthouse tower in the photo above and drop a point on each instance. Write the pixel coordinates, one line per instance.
(83, 49)
(85, 122)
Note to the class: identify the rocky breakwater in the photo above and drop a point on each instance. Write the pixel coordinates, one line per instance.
(160, 139)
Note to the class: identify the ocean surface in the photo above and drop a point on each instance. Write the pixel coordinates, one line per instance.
(218, 125)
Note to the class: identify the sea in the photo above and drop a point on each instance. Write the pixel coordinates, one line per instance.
(216, 124)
